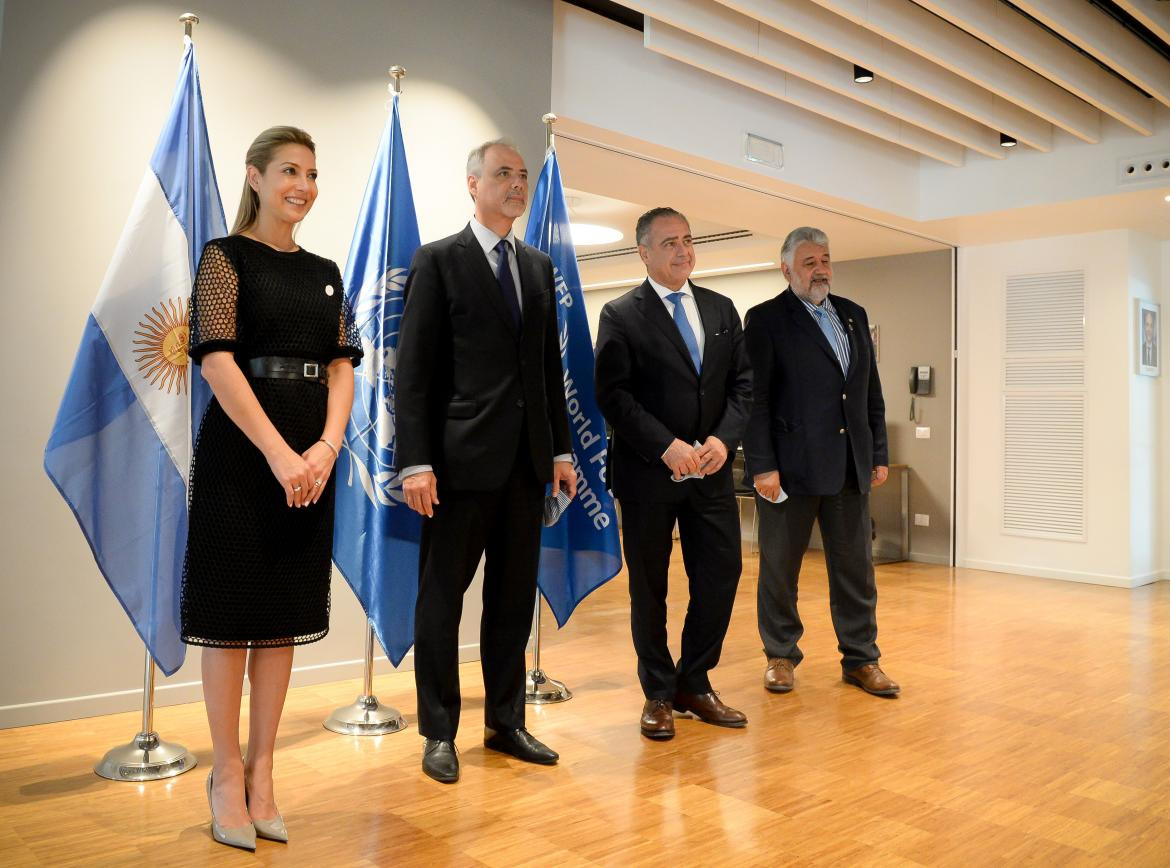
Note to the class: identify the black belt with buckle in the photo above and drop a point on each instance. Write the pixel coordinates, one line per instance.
(285, 368)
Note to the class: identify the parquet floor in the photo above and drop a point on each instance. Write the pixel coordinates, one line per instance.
(1033, 729)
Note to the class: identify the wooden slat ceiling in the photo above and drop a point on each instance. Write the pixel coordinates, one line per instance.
(951, 75)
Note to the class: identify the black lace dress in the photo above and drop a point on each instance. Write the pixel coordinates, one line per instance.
(257, 571)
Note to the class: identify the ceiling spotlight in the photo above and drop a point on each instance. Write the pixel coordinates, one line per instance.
(589, 234)
(1006, 141)
(861, 75)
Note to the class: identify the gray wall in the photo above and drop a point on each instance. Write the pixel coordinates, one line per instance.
(909, 299)
(84, 89)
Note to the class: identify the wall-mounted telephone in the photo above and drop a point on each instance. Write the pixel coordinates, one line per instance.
(921, 383)
(921, 380)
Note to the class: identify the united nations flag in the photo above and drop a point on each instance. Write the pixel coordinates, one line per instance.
(375, 535)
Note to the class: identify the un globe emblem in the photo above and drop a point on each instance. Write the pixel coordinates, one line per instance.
(371, 441)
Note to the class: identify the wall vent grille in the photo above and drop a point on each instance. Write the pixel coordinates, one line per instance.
(1044, 403)
(1045, 313)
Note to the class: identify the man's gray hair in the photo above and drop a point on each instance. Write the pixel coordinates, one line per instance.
(798, 237)
(476, 157)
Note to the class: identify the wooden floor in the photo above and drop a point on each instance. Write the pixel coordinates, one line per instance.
(1033, 729)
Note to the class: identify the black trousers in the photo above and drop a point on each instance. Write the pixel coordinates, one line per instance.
(505, 525)
(785, 529)
(709, 532)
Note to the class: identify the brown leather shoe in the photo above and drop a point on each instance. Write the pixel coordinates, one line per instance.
(871, 679)
(709, 709)
(657, 721)
(779, 676)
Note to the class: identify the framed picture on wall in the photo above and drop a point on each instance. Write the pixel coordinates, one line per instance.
(1149, 343)
(873, 336)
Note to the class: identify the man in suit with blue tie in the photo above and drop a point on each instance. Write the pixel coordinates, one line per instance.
(817, 432)
(482, 430)
(673, 381)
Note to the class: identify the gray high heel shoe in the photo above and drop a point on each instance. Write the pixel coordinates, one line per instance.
(274, 829)
(243, 837)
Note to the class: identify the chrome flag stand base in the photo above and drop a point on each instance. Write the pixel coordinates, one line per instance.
(539, 689)
(365, 715)
(147, 758)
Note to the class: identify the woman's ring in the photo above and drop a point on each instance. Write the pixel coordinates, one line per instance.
(317, 483)
(296, 488)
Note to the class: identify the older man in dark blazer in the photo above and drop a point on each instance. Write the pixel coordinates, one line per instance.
(481, 430)
(817, 434)
(674, 384)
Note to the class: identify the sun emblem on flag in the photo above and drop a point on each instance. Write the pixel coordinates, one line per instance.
(161, 345)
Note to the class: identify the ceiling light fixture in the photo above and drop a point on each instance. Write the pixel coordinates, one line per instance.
(861, 75)
(1006, 141)
(591, 234)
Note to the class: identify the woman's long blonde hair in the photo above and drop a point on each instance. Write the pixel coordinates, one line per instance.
(260, 154)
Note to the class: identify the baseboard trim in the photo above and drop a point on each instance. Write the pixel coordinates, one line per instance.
(926, 558)
(1106, 579)
(178, 693)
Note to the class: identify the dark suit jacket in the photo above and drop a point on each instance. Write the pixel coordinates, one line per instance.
(650, 394)
(804, 407)
(467, 385)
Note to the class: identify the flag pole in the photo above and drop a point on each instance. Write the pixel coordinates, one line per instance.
(148, 757)
(539, 689)
(366, 715)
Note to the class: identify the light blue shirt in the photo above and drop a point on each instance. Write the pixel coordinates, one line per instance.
(830, 323)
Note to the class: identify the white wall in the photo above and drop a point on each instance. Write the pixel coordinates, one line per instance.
(84, 89)
(602, 75)
(1162, 530)
(1120, 546)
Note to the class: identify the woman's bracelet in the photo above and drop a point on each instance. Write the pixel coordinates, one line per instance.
(336, 454)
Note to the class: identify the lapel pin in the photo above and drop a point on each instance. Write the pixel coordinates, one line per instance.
(329, 289)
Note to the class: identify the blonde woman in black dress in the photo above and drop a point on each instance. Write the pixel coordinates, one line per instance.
(276, 341)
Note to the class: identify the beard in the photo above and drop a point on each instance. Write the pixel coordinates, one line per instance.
(816, 291)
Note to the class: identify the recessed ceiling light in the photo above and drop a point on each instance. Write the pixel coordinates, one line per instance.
(1168, 198)
(590, 234)
(861, 75)
(1006, 141)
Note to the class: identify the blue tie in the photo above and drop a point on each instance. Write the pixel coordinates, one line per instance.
(507, 285)
(830, 336)
(684, 329)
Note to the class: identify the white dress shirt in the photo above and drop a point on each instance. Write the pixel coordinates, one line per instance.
(488, 241)
(689, 307)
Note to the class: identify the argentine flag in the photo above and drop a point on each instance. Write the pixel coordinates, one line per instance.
(120, 449)
(375, 534)
(580, 552)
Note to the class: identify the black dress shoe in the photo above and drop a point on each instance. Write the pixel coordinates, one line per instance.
(440, 761)
(520, 744)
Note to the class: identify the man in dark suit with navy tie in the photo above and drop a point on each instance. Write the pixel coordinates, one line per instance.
(817, 434)
(673, 381)
(482, 429)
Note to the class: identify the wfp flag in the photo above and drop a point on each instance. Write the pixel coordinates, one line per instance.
(580, 552)
(120, 449)
(375, 534)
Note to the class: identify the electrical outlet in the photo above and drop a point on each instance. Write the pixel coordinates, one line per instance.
(921, 519)
(922, 432)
